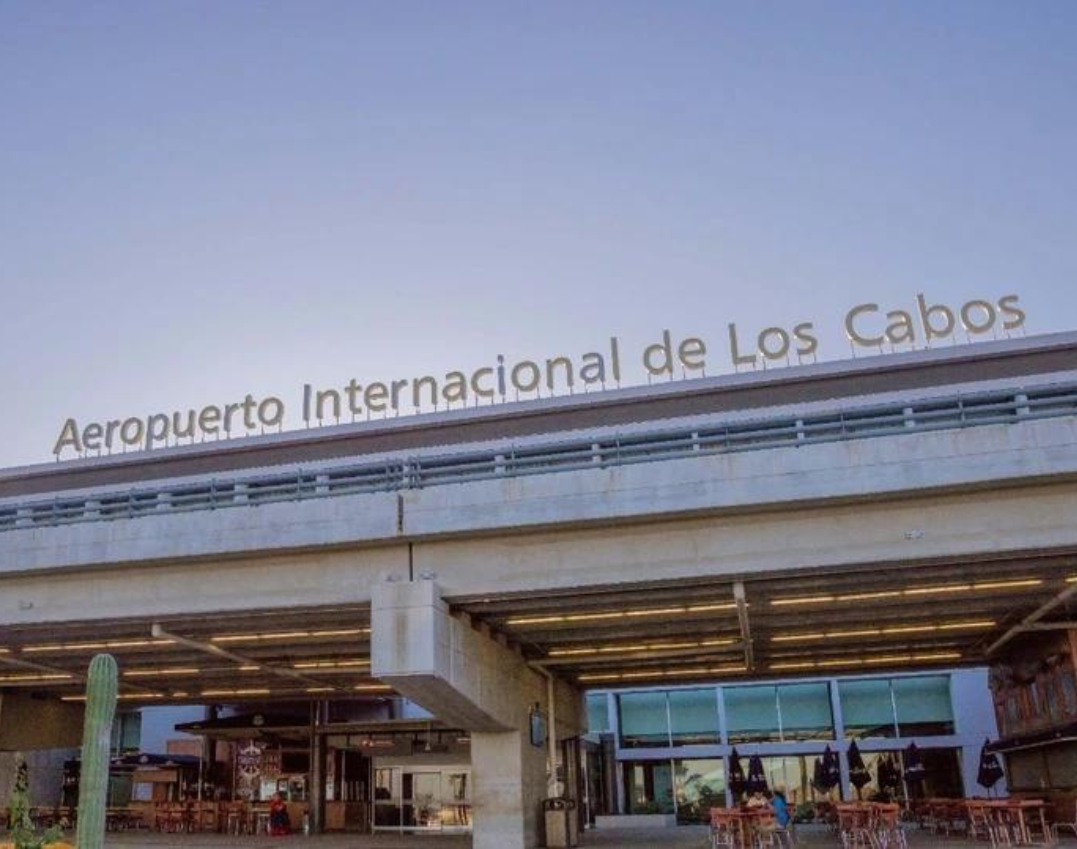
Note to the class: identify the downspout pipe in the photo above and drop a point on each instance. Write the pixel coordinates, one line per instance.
(551, 731)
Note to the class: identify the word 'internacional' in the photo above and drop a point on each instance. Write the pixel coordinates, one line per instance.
(866, 325)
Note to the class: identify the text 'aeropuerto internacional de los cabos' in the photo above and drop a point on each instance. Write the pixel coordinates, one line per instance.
(867, 326)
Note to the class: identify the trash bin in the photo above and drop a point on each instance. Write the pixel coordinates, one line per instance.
(562, 830)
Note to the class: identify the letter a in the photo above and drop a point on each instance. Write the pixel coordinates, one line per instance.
(69, 435)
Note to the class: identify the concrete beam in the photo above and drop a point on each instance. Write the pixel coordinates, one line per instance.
(745, 624)
(329, 577)
(465, 677)
(1031, 520)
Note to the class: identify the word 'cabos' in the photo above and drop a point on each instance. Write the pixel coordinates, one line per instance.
(866, 325)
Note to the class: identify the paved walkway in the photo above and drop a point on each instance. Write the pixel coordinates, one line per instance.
(632, 839)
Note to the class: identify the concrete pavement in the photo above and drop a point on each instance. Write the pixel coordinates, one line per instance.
(619, 838)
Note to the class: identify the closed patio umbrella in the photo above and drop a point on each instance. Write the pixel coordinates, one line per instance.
(817, 779)
(737, 782)
(990, 769)
(914, 766)
(757, 778)
(889, 776)
(858, 772)
(831, 770)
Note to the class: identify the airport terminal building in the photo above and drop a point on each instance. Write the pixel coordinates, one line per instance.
(435, 622)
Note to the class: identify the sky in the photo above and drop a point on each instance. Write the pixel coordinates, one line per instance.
(200, 200)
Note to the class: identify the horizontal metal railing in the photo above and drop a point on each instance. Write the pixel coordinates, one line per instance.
(424, 470)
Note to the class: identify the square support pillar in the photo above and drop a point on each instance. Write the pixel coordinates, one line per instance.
(469, 679)
(509, 784)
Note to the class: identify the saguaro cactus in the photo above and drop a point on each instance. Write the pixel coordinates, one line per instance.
(102, 682)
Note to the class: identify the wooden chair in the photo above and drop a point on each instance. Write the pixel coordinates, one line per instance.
(766, 832)
(171, 817)
(982, 825)
(235, 818)
(260, 820)
(1037, 829)
(855, 826)
(1071, 826)
(725, 828)
(204, 817)
(887, 825)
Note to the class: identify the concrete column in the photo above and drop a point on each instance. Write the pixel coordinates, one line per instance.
(508, 785)
(471, 680)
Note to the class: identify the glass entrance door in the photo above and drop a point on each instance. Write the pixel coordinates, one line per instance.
(422, 799)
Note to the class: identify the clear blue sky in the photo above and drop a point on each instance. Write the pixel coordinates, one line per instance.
(203, 199)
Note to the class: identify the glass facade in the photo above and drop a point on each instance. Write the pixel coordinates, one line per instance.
(923, 705)
(788, 724)
(872, 708)
(644, 719)
(689, 787)
(422, 798)
(899, 707)
(867, 708)
(648, 787)
(791, 773)
(693, 717)
(805, 711)
(942, 770)
(781, 713)
(751, 714)
(598, 717)
(668, 718)
(127, 733)
(699, 785)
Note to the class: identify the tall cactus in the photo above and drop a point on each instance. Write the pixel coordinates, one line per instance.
(102, 683)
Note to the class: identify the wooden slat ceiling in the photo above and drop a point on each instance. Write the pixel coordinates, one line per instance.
(328, 647)
(858, 619)
(800, 623)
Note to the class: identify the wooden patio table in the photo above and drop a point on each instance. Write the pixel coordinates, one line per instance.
(1019, 808)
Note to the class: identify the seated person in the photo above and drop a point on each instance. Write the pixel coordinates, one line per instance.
(781, 808)
(279, 824)
(756, 800)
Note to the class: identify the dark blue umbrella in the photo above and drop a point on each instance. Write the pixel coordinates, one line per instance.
(737, 782)
(757, 778)
(858, 771)
(889, 774)
(817, 779)
(831, 770)
(990, 769)
(914, 767)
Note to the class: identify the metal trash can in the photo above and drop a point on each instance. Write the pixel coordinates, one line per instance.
(561, 828)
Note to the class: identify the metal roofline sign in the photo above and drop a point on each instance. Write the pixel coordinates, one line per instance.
(866, 326)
